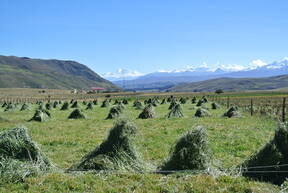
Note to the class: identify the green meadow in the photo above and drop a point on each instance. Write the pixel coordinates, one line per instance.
(65, 142)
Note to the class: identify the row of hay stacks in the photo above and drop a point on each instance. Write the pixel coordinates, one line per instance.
(21, 157)
(42, 114)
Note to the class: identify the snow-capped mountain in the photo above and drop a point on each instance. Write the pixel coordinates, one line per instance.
(162, 79)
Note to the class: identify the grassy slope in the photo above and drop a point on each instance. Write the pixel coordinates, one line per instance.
(234, 84)
(35, 73)
(66, 141)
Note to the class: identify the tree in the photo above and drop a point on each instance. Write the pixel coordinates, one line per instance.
(219, 91)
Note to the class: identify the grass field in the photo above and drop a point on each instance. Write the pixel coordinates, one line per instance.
(65, 142)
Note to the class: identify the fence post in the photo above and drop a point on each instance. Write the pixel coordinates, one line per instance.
(284, 109)
(251, 107)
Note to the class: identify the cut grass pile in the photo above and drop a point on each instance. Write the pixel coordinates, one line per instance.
(20, 157)
(117, 152)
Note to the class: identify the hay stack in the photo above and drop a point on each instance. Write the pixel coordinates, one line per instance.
(183, 100)
(191, 152)
(75, 105)
(10, 107)
(163, 101)
(215, 106)
(4, 104)
(20, 157)
(200, 102)
(204, 99)
(95, 102)
(194, 100)
(77, 114)
(89, 106)
(55, 104)
(40, 116)
(116, 102)
(48, 106)
(172, 104)
(175, 112)
(125, 102)
(41, 107)
(65, 106)
(273, 154)
(138, 105)
(201, 112)
(117, 152)
(147, 113)
(114, 113)
(24, 107)
(232, 112)
(105, 103)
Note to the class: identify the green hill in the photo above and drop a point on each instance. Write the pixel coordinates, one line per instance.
(234, 84)
(23, 72)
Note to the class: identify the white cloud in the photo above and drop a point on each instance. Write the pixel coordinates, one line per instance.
(122, 73)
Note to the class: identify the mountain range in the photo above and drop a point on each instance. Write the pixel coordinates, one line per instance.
(234, 84)
(24, 72)
(162, 81)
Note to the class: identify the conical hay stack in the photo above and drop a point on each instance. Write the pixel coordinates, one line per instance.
(183, 100)
(48, 106)
(172, 104)
(65, 106)
(163, 101)
(176, 112)
(77, 114)
(116, 102)
(89, 106)
(105, 103)
(200, 112)
(194, 100)
(40, 116)
(135, 103)
(125, 102)
(121, 107)
(269, 164)
(199, 103)
(138, 105)
(117, 152)
(24, 107)
(215, 106)
(41, 107)
(55, 104)
(191, 152)
(4, 105)
(232, 112)
(114, 113)
(20, 157)
(75, 105)
(10, 107)
(204, 99)
(147, 113)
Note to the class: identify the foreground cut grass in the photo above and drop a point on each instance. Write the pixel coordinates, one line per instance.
(65, 142)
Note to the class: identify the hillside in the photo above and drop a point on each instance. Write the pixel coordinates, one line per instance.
(23, 72)
(234, 84)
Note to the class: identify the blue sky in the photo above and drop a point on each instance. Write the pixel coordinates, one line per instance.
(145, 35)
